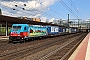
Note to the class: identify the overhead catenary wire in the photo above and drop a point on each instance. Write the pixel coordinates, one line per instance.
(15, 9)
(50, 15)
(43, 13)
(49, 8)
(74, 6)
(33, 11)
(9, 10)
(69, 9)
(66, 6)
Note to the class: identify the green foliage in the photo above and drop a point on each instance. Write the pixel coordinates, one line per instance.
(3, 29)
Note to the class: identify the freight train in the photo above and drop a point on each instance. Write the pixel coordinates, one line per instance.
(24, 32)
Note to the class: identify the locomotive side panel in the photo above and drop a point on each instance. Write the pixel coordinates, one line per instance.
(35, 31)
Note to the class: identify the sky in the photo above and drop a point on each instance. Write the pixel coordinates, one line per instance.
(47, 9)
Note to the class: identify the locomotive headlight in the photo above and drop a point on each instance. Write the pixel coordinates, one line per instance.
(11, 32)
(22, 38)
(18, 35)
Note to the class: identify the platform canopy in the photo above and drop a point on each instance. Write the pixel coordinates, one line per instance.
(15, 20)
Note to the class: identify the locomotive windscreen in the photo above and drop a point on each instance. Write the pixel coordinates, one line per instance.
(17, 27)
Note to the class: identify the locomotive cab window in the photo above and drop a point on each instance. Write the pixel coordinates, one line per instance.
(16, 27)
(24, 28)
(47, 28)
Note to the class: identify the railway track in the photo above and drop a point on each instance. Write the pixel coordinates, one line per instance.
(18, 53)
(64, 51)
(11, 46)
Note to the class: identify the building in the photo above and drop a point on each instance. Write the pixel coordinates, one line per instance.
(61, 22)
(83, 25)
(32, 19)
(36, 19)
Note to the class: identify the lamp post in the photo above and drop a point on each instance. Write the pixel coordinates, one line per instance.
(0, 12)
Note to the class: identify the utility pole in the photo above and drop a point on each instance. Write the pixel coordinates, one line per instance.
(0, 12)
(78, 22)
(68, 22)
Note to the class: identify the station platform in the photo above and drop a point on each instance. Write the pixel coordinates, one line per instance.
(4, 37)
(83, 50)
